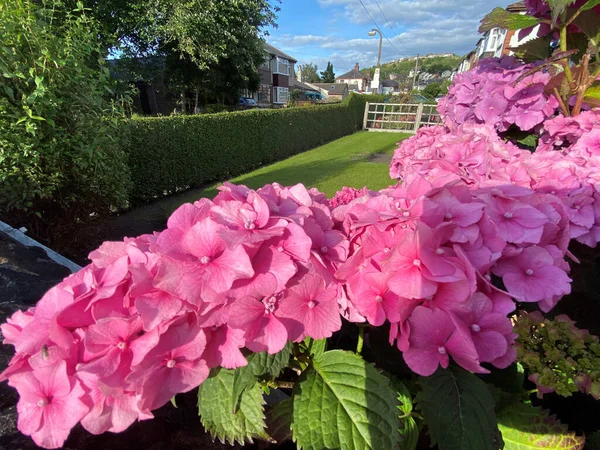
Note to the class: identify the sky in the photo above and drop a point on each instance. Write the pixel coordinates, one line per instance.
(318, 31)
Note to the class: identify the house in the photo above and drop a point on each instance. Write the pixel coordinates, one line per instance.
(334, 92)
(355, 77)
(498, 42)
(277, 79)
(389, 86)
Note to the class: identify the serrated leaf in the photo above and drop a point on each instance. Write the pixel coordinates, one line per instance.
(409, 431)
(279, 420)
(525, 427)
(534, 50)
(592, 92)
(579, 42)
(501, 18)
(259, 364)
(557, 7)
(459, 410)
(214, 408)
(343, 402)
(590, 4)
(590, 26)
(315, 348)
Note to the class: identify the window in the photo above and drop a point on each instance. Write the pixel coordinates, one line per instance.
(282, 95)
(264, 94)
(282, 66)
(266, 65)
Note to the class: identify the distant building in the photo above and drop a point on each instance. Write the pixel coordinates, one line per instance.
(355, 77)
(498, 42)
(334, 92)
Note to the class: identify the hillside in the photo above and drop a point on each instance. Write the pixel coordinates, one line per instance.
(435, 65)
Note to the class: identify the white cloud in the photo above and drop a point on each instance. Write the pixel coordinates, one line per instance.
(419, 27)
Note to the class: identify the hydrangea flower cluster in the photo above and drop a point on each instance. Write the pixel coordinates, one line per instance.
(150, 316)
(497, 93)
(566, 164)
(560, 357)
(424, 257)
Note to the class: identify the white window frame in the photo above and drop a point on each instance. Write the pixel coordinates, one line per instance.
(281, 95)
(282, 63)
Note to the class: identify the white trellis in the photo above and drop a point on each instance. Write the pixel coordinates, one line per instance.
(406, 117)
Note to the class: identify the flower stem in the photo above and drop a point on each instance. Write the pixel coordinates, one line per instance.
(361, 336)
(284, 384)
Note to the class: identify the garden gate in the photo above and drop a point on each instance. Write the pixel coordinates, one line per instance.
(404, 117)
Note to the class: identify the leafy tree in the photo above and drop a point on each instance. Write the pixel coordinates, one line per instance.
(60, 121)
(210, 49)
(310, 73)
(432, 90)
(327, 75)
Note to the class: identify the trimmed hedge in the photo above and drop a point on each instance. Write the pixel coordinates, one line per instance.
(169, 154)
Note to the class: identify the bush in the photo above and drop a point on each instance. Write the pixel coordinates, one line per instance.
(167, 154)
(61, 153)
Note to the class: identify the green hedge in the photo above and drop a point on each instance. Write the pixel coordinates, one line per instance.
(168, 154)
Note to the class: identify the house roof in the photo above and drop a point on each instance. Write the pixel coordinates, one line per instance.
(354, 74)
(333, 88)
(276, 52)
(390, 83)
(303, 86)
(519, 6)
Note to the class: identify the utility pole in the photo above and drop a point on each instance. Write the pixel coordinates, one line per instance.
(416, 71)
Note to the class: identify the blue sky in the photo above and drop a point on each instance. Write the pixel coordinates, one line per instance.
(337, 30)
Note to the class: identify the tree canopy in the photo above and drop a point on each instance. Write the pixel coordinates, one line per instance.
(207, 48)
(310, 73)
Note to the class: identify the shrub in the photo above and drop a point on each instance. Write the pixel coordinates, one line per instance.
(167, 154)
(60, 131)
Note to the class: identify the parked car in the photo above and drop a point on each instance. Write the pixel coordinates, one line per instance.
(247, 102)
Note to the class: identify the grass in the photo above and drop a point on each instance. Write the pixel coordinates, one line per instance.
(343, 162)
(361, 159)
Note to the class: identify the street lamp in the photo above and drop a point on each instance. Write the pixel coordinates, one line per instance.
(377, 69)
(372, 33)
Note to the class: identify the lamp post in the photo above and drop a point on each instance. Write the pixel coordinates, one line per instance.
(377, 69)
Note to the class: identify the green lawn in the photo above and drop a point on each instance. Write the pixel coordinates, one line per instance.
(343, 162)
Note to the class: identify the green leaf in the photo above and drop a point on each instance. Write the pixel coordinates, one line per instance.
(579, 42)
(459, 410)
(315, 348)
(343, 402)
(590, 26)
(592, 96)
(501, 18)
(259, 364)
(409, 430)
(534, 50)
(214, 408)
(173, 402)
(557, 7)
(590, 4)
(9, 91)
(525, 427)
(279, 420)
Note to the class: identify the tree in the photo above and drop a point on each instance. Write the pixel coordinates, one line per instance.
(310, 74)
(432, 90)
(209, 49)
(327, 75)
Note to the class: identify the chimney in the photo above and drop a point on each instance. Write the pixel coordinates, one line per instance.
(356, 67)
(299, 73)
